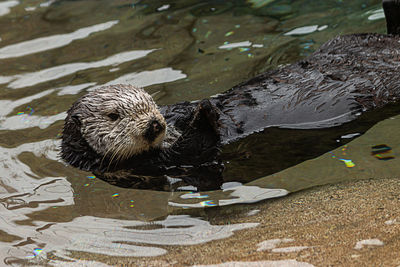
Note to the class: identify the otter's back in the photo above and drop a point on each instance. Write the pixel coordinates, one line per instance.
(346, 76)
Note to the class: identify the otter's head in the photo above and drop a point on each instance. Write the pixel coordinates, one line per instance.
(117, 121)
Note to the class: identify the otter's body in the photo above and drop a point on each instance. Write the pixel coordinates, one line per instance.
(347, 76)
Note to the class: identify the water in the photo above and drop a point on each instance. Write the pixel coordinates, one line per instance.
(52, 52)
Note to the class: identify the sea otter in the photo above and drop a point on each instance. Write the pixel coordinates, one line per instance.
(118, 133)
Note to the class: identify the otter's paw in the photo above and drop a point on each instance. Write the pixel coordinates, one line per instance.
(206, 117)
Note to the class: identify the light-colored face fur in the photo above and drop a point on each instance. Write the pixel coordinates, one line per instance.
(115, 119)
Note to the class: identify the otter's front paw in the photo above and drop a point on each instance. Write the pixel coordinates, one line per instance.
(206, 116)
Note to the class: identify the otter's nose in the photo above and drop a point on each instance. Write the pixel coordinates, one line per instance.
(157, 127)
(154, 129)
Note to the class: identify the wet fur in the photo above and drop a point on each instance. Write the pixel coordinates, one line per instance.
(347, 76)
(114, 138)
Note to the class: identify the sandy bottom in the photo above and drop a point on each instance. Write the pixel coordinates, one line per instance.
(347, 224)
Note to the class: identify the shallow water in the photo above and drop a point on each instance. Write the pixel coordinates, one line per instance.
(53, 52)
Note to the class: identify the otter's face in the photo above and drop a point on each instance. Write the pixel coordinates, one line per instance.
(119, 121)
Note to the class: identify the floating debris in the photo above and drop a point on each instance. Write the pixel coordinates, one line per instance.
(344, 148)
(193, 195)
(348, 162)
(91, 177)
(115, 195)
(86, 185)
(208, 203)
(307, 45)
(29, 110)
(382, 152)
(229, 33)
(36, 252)
(244, 49)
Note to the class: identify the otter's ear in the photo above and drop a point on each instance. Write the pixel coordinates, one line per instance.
(76, 119)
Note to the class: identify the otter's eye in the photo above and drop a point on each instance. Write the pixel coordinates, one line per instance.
(113, 116)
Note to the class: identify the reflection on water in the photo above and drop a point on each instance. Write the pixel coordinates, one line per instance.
(54, 51)
(240, 194)
(7, 106)
(94, 235)
(146, 78)
(306, 30)
(25, 121)
(33, 78)
(74, 89)
(51, 42)
(6, 5)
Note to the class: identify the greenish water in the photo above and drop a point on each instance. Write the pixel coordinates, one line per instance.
(53, 52)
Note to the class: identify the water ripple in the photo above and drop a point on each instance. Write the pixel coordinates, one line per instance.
(49, 74)
(51, 42)
(25, 121)
(74, 89)
(146, 78)
(114, 237)
(7, 106)
(5, 7)
(94, 235)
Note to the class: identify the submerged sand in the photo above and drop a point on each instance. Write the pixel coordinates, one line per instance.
(347, 224)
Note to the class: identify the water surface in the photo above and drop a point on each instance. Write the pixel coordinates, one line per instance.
(52, 52)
